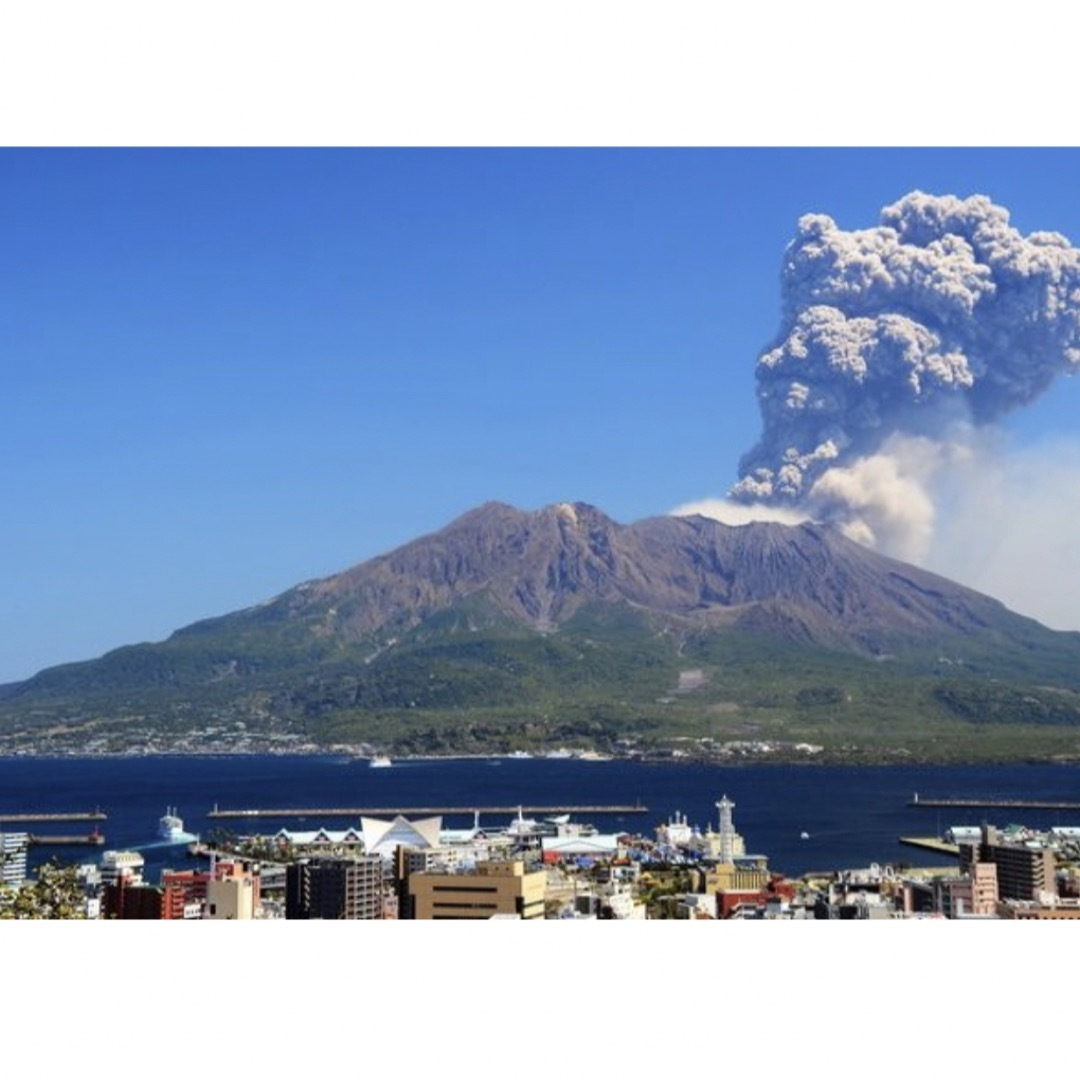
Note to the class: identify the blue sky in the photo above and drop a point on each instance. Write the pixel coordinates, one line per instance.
(228, 371)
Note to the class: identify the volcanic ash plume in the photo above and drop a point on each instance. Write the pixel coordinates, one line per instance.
(897, 342)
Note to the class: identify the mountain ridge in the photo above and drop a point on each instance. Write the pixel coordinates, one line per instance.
(564, 612)
(542, 565)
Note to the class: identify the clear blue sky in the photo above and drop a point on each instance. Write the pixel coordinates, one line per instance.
(228, 371)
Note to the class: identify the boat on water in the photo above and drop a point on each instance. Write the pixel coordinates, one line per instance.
(521, 826)
(380, 761)
(171, 828)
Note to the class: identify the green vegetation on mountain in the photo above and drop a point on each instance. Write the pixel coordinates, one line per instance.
(532, 631)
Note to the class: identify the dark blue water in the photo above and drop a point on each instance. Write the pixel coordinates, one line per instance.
(854, 816)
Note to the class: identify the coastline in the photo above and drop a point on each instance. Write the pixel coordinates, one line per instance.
(849, 758)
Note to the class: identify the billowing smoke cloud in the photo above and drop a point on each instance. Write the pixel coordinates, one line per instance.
(898, 343)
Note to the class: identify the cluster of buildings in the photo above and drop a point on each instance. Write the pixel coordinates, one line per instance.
(416, 869)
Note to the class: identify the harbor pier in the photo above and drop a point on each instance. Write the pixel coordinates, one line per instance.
(930, 843)
(65, 815)
(918, 802)
(421, 811)
(94, 839)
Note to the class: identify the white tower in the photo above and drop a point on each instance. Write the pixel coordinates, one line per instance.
(726, 830)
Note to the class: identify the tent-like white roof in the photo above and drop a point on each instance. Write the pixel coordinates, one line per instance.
(382, 837)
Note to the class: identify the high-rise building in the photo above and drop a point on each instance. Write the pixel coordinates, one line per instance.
(1023, 873)
(13, 847)
(123, 892)
(335, 888)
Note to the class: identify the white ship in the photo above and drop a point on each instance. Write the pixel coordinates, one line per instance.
(380, 761)
(171, 828)
(521, 826)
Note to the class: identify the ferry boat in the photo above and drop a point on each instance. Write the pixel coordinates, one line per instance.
(521, 826)
(171, 828)
(380, 761)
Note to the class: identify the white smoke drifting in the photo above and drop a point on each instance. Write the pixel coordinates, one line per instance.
(1009, 526)
(733, 513)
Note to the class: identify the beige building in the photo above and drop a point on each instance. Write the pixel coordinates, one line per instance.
(233, 892)
(981, 896)
(492, 888)
(748, 875)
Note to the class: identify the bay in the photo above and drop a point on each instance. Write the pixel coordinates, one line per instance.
(853, 815)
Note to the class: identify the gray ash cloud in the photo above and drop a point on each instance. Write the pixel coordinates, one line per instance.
(897, 342)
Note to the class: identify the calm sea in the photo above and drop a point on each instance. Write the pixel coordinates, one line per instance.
(853, 816)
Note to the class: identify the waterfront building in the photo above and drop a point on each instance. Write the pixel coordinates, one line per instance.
(595, 846)
(963, 834)
(492, 888)
(676, 832)
(13, 847)
(329, 888)
(318, 838)
(126, 866)
(724, 844)
(1025, 868)
(383, 837)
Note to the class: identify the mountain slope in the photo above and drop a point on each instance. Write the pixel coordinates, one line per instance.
(539, 568)
(565, 611)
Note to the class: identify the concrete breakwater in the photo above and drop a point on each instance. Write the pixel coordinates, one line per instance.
(919, 802)
(72, 815)
(406, 811)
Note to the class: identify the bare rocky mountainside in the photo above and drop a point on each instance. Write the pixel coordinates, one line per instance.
(806, 583)
(513, 628)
